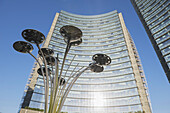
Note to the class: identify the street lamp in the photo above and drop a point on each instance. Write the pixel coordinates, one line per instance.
(52, 77)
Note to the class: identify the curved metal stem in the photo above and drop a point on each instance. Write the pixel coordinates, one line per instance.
(70, 78)
(47, 80)
(69, 65)
(69, 88)
(52, 89)
(65, 54)
(56, 73)
(55, 85)
(61, 90)
(66, 73)
(51, 92)
(41, 70)
(52, 81)
(60, 94)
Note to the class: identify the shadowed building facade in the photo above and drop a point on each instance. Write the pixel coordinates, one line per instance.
(121, 87)
(154, 15)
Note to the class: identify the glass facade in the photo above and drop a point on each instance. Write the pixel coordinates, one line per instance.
(154, 15)
(115, 89)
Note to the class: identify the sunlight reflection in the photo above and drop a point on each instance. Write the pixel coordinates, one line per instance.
(98, 99)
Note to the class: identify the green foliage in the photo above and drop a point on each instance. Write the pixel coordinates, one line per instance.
(35, 109)
(137, 112)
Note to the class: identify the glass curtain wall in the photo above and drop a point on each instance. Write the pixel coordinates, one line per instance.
(113, 90)
(154, 15)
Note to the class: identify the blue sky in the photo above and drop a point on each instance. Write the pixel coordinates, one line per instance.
(17, 15)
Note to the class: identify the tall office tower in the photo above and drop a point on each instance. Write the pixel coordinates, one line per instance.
(120, 88)
(154, 15)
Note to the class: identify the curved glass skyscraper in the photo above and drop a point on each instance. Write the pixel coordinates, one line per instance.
(120, 88)
(154, 15)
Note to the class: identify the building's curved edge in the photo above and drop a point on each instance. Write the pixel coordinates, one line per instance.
(89, 16)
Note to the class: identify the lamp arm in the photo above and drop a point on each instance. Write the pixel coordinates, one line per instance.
(41, 71)
(69, 88)
(61, 91)
(63, 88)
(65, 54)
(61, 70)
(66, 84)
(47, 80)
(70, 78)
(69, 65)
(55, 90)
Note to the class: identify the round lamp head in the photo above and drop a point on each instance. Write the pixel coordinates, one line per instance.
(62, 81)
(22, 47)
(71, 34)
(75, 43)
(50, 60)
(101, 59)
(96, 68)
(33, 36)
(46, 52)
(40, 72)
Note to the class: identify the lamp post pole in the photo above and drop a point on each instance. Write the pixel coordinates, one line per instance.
(60, 87)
